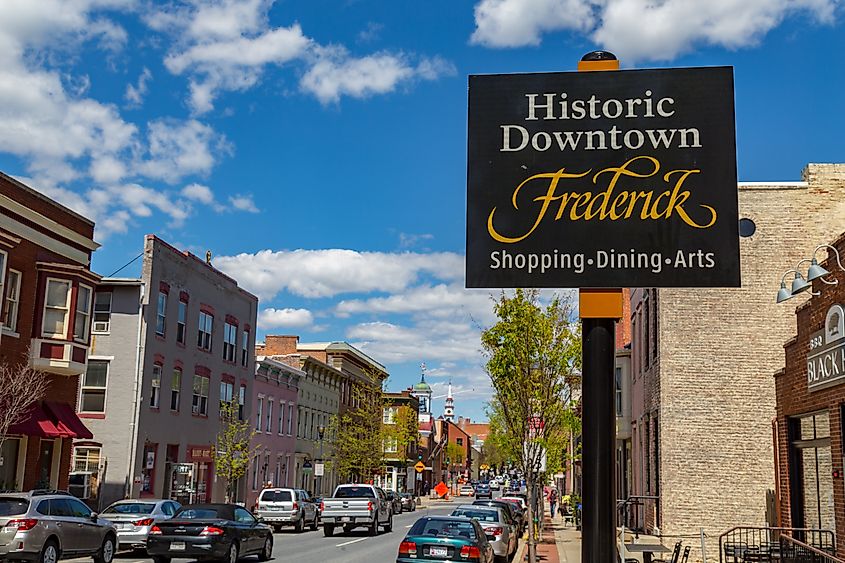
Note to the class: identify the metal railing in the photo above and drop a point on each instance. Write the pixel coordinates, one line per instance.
(796, 551)
(744, 544)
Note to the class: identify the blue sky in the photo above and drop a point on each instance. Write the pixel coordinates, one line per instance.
(319, 148)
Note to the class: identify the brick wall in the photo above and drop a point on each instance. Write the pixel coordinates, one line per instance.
(279, 345)
(712, 387)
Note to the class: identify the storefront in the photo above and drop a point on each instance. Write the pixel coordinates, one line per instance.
(810, 425)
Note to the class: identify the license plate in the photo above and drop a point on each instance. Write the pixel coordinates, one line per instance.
(439, 552)
(177, 546)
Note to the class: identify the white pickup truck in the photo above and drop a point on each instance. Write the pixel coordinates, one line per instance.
(356, 506)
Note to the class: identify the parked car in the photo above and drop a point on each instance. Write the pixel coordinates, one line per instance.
(353, 506)
(483, 491)
(445, 538)
(134, 518)
(395, 501)
(409, 502)
(466, 491)
(498, 525)
(225, 532)
(45, 526)
(516, 515)
(287, 507)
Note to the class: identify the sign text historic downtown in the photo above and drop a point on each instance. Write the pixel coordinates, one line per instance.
(606, 179)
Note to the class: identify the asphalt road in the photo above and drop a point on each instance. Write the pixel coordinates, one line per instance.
(313, 547)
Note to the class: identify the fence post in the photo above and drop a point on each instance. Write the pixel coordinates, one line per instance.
(703, 551)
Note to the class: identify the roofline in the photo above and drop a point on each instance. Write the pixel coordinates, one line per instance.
(122, 281)
(277, 364)
(341, 346)
(49, 200)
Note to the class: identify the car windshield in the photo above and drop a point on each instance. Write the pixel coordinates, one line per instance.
(354, 492)
(443, 529)
(13, 506)
(480, 515)
(130, 508)
(276, 496)
(197, 513)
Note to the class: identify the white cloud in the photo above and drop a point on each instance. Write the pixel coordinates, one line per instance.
(134, 95)
(640, 29)
(390, 342)
(284, 318)
(199, 193)
(180, 148)
(326, 273)
(243, 203)
(336, 73)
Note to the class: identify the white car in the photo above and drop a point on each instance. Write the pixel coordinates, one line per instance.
(466, 491)
(494, 485)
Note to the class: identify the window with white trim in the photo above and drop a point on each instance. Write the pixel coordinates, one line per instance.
(82, 320)
(199, 399)
(13, 294)
(290, 419)
(230, 338)
(389, 415)
(93, 395)
(86, 458)
(281, 418)
(227, 391)
(56, 308)
(206, 324)
(391, 445)
(181, 321)
(244, 347)
(258, 413)
(241, 401)
(102, 311)
(255, 473)
(155, 387)
(161, 313)
(176, 389)
(269, 415)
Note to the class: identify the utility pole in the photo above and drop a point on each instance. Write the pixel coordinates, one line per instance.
(321, 431)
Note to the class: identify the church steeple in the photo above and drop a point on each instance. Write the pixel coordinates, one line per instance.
(449, 411)
(422, 391)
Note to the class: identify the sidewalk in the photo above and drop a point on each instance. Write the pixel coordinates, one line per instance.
(559, 544)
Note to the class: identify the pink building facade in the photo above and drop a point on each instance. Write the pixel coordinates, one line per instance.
(274, 407)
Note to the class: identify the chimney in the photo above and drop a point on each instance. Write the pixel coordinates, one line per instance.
(280, 345)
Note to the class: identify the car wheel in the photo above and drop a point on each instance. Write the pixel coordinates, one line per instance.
(300, 524)
(49, 553)
(232, 557)
(328, 530)
(389, 527)
(267, 553)
(160, 559)
(106, 552)
(374, 528)
(314, 524)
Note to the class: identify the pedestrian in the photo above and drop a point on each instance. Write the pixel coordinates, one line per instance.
(553, 502)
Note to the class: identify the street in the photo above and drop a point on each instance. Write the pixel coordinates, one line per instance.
(314, 547)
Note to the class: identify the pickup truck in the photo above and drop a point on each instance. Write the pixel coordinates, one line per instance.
(356, 506)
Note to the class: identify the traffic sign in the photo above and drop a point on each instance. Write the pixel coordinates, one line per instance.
(420, 467)
(319, 470)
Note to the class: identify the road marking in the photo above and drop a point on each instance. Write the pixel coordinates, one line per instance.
(351, 541)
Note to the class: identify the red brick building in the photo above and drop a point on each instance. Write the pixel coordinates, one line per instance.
(810, 426)
(47, 288)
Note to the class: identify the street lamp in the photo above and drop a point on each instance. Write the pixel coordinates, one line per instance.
(321, 431)
(814, 272)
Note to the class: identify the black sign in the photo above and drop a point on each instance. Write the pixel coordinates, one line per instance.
(602, 179)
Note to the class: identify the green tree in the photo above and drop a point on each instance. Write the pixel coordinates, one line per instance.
(533, 360)
(404, 430)
(356, 435)
(232, 451)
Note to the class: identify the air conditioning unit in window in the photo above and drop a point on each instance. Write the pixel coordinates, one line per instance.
(101, 326)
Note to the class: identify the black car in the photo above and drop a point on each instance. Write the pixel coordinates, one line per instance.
(516, 515)
(395, 501)
(224, 532)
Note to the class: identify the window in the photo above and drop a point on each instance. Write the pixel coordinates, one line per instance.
(646, 333)
(290, 418)
(298, 422)
(241, 401)
(255, 473)
(269, 415)
(391, 445)
(389, 415)
(258, 412)
(230, 337)
(227, 390)
(244, 347)
(13, 293)
(618, 391)
(161, 313)
(206, 324)
(460, 441)
(2, 270)
(199, 400)
(102, 311)
(93, 395)
(56, 308)
(655, 329)
(155, 390)
(175, 389)
(82, 320)
(181, 319)
(281, 418)
(86, 459)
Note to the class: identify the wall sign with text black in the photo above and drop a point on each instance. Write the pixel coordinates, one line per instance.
(603, 179)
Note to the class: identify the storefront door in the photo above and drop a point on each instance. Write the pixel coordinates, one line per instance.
(811, 472)
(45, 465)
(9, 465)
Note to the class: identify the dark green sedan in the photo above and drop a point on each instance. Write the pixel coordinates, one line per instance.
(445, 538)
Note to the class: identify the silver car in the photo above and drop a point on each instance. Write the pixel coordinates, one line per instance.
(498, 527)
(287, 507)
(134, 518)
(45, 526)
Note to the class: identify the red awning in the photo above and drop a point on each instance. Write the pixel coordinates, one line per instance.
(38, 424)
(66, 420)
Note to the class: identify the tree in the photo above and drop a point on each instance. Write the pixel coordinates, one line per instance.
(20, 388)
(404, 431)
(232, 451)
(533, 360)
(356, 435)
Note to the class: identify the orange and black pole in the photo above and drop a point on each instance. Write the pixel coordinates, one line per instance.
(599, 310)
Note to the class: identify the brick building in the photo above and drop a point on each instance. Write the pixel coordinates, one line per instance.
(399, 473)
(810, 424)
(702, 359)
(46, 291)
